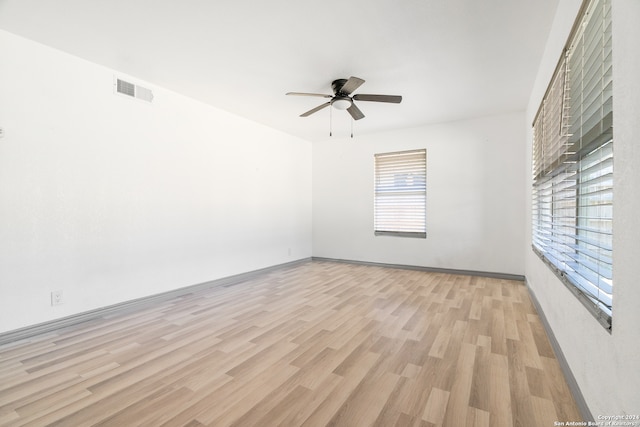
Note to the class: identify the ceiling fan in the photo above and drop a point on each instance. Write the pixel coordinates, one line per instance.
(342, 99)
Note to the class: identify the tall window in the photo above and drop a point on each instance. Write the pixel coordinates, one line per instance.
(401, 194)
(573, 164)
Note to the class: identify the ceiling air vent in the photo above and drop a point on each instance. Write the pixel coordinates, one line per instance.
(133, 90)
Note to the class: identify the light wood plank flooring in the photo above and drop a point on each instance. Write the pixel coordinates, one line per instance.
(315, 344)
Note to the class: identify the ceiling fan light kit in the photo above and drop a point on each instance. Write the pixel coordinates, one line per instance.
(341, 103)
(342, 99)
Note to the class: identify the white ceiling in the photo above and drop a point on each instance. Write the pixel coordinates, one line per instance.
(449, 59)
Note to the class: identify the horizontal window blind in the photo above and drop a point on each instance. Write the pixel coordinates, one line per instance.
(400, 193)
(572, 164)
(552, 124)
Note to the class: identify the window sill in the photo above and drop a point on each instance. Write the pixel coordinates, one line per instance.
(416, 235)
(604, 319)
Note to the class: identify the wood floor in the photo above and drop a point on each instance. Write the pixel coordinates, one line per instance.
(315, 344)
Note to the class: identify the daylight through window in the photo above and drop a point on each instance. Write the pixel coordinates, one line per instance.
(400, 194)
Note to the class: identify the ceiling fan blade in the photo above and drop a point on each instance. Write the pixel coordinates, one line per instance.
(352, 84)
(395, 99)
(309, 94)
(355, 112)
(318, 108)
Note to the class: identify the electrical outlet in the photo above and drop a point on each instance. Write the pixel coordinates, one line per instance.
(56, 297)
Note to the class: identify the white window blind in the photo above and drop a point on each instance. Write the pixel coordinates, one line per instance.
(573, 164)
(400, 193)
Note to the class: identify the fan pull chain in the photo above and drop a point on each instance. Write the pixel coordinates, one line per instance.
(330, 121)
(351, 127)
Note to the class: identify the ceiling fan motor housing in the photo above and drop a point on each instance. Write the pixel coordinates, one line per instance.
(336, 85)
(341, 100)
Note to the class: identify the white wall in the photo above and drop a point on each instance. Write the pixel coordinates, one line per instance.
(475, 219)
(109, 198)
(606, 366)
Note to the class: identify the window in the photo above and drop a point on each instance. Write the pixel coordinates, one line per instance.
(400, 194)
(573, 164)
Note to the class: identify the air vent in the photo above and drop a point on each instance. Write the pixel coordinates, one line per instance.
(126, 88)
(144, 93)
(133, 90)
